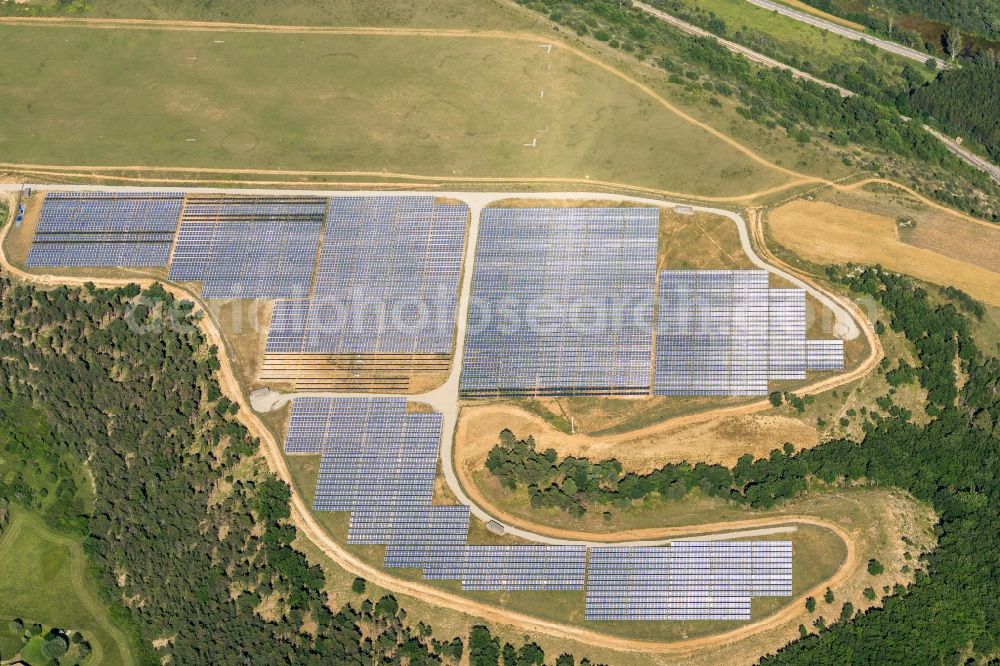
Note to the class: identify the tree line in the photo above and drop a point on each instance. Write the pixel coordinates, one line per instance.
(806, 111)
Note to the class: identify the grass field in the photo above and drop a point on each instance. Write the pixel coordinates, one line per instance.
(456, 106)
(436, 14)
(855, 228)
(44, 579)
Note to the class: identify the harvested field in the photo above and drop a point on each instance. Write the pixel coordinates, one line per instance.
(959, 240)
(829, 233)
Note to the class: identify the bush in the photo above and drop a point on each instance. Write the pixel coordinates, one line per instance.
(358, 586)
(875, 567)
(55, 647)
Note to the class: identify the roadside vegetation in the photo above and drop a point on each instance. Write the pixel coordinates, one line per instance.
(805, 112)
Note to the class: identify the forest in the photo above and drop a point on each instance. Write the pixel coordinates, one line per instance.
(949, 614)
(189, 534)
(966, 101)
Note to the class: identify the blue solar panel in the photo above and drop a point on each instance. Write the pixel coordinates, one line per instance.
(386, 281)
(105, 229)
(249, 247)
(726, 333)
(690, 580)
(379, 462)
(562, 302)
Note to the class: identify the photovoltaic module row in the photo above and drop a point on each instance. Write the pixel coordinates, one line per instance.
(105, 230)
(379, 462)
(249, 247)
(562, 302)
(726, 333)
(386, 281)
(709, 580)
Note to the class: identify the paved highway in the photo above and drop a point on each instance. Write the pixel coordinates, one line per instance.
(843, 31)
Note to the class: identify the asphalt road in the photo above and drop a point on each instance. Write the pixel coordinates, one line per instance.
(843, 31)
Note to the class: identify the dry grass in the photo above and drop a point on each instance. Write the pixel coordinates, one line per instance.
(721, 440)
(971, 243)
(700, 241)
(424, 105)
(825, 233)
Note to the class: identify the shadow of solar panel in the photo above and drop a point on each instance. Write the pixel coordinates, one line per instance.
(249, 247)
(562, 302)
(386, 280)
(726, 333)
(105, 229)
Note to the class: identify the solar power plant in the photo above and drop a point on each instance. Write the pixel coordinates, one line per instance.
(725, 333)
(386, 281)
(513, 568)
(249, 247)
(105, 229)
(562, 302)
(690, 580)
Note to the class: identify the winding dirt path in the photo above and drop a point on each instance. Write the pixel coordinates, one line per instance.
(307, 524)
(110, 173)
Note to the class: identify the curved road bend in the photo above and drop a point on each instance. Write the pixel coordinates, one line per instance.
(444, 399)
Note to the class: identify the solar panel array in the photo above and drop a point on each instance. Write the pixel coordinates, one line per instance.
(105, 229)
(249, 247)
(515, 568)
(379, 461)
(726, 333)
(389, 463)
(562, 302)
(690, 580)
(824, 354)
(386, 281)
